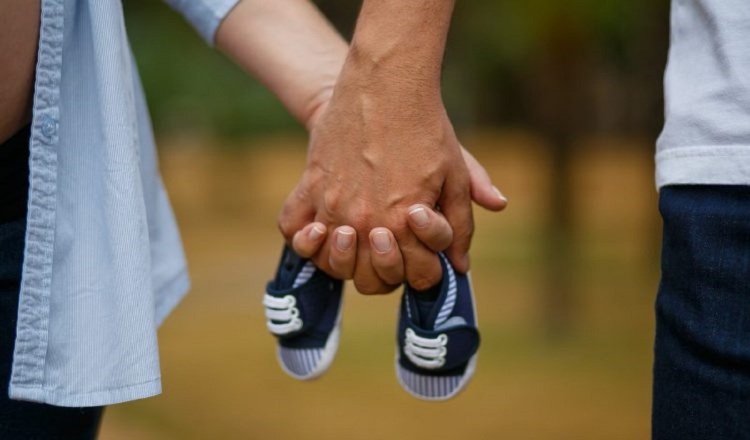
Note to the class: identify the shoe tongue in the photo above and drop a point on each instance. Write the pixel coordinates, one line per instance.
(425, 301)
(289, 266)
(426, 304)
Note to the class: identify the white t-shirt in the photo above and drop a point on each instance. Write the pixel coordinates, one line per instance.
(706, 136)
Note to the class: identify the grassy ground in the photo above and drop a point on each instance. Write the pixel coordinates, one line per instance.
(221, 379)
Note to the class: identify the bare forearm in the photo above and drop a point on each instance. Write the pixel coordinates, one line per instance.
(384, 144)
(289, 46)
(398, 46)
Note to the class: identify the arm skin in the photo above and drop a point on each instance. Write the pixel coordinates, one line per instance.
(383, 144)
(19, 36)
(290, 47)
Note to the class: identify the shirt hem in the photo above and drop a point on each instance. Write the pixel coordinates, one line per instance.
(703, 165)
(220, 13)
(98, 398)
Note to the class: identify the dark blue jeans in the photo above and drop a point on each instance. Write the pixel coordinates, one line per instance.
(702, 350)
(25, 420)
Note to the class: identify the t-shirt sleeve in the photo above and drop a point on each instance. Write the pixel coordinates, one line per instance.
(204, 15)
(706, 135)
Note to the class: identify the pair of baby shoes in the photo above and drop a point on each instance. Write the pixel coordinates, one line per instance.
(437, 338)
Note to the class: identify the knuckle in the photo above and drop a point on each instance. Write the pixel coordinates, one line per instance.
(338, 267)
(440, 240)
(302, 249)
(388, 288)
(321, 264)
(425, 281)
(391, 268)
(284, 224)
(332, 201)
(341, 271)
(392, 283)
(466, 232)
(301, 193)
(391, 275)
(361, 219)
(369, 287)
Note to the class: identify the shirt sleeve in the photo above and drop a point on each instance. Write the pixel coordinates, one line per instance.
(204, 15)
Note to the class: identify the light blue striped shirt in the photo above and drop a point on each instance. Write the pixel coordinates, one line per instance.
(103, 264)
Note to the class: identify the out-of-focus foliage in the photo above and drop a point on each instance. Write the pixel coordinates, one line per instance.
(564, 278)
(505, 64)
(508, 61)
(192, 88)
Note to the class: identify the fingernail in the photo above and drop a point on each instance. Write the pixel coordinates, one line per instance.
(315, 233)
(381, 241)
(419, 216)
(499, 194)
(344, 239)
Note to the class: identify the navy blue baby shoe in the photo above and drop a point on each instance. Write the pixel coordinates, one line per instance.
(303, 310)
(437, 337)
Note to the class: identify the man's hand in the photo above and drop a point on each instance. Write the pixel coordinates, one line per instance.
(371, 157)
(430, 227)
(384, 144)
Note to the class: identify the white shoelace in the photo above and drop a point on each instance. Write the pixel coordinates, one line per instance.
(284, 311)
(426, 353)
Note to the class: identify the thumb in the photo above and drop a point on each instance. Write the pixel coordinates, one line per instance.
(483, 193)
(298, 212)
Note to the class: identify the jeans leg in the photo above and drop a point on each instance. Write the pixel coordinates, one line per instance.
(702, 349)
(28, 420)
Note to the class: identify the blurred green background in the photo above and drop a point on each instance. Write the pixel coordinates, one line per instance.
(561, 101)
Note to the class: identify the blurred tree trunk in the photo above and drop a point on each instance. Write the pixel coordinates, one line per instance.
(650, 45)
(558, 108)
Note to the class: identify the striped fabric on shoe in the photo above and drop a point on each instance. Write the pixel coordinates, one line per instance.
(438, 338)
(303, 311)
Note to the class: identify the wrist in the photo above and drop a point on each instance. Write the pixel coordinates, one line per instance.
(394, 62)
(400, 45)
(396, 87)
(316, 106)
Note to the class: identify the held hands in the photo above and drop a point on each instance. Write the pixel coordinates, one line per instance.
(381, 145)
(378, 166)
